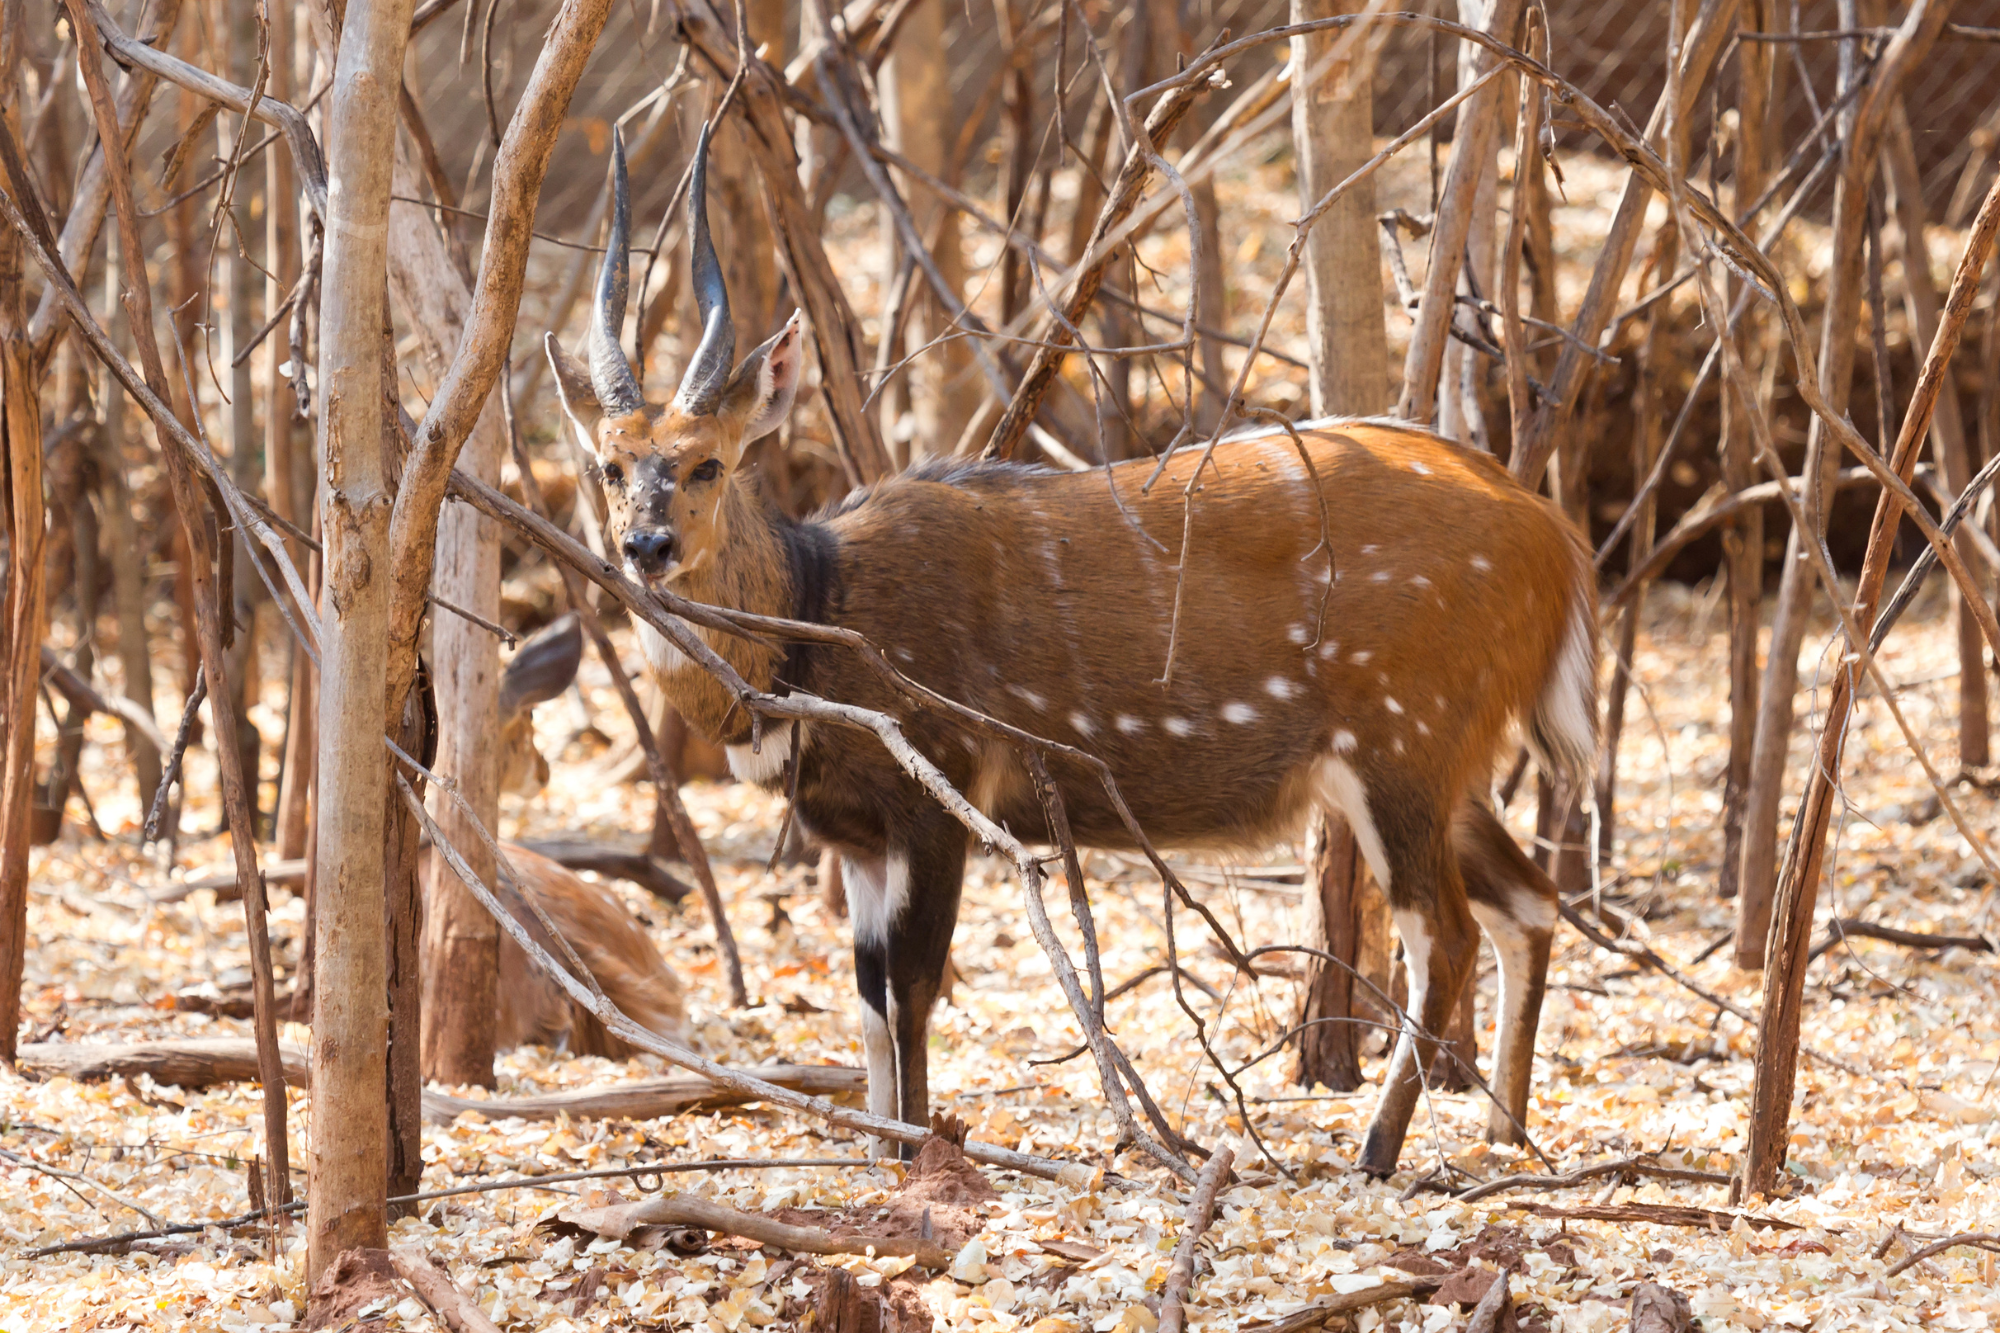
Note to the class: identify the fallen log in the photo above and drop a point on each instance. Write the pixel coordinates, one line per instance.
(188, 1063)
(1658, 1214)
(619, 1220)
(202, 1062)
(613, 860)
(648, 1098)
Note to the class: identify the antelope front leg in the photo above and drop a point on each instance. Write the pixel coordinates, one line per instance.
(1438, 948)
(904, 906)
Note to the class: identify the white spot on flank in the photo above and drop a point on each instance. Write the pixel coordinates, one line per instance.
(1419, 468)
(1394, 707)
(1379, 576)
(1299, 634)
(1370, 549)
(1343, 742)
(1423, 730)
(1130, 725)
(1420, 581)
(1239, 713)
(1481, 563)
(1360, 657)
(1084, 726)
(1329, 648)
(1398, 747)
(1280, 688)
(903, 655)
(1178, 726)
(1438, 699)
(1028, 697)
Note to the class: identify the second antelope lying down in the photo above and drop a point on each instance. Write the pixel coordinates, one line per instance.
(1376, 672)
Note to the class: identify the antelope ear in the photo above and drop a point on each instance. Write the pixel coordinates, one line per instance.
(763, 387)
(543, 667)
(573, 386)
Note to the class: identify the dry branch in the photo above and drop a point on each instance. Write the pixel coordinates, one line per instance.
(191, 1062)
(1985, 1240)
(1389, 1289)
(1200, 1212)
(619, 1220)
(1634, 1166)
(81, 694)
(1798, 884)
(434, 1288)
(1060, 333)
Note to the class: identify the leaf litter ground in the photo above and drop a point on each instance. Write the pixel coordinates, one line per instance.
(1629, 1062)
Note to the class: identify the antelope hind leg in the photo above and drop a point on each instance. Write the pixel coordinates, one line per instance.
(1515, 904)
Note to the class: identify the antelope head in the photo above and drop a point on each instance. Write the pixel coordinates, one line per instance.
(669, 472)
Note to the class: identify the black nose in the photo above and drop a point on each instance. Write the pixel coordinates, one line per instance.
(649, 549)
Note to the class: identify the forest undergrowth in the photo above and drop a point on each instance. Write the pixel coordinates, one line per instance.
(1892, 1144)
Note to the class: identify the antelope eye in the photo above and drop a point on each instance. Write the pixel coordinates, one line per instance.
(708, 471)
(614, 475)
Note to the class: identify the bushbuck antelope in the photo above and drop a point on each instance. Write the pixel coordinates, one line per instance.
(1370, 661)
(531, 1008)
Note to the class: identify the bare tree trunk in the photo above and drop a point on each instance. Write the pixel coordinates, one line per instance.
(1645, 448)
(288, 472)
(1792, 905)
(1333, 133)
(347, 1188)
(1861, 137)
(750, 262)
(1458, 413)
(26, 527)
(238, 31)
(1743, 540)
(127, 558)
(461, 942)
(915, 84)
(1471, 151)
(1948, 439)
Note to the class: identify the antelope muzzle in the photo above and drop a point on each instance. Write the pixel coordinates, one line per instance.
(650, 552)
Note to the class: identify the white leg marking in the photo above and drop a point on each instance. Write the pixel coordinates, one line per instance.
(1338, 786)
(877, 893)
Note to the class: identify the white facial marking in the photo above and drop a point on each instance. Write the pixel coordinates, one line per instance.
(1130, 725)
(1084, 726)
(1344, 742)
(1280, 688)
(1028, 697)
(1299, 634)
(1178, 726)
(1391, 704)
(1240, 713)
(1338, 787)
